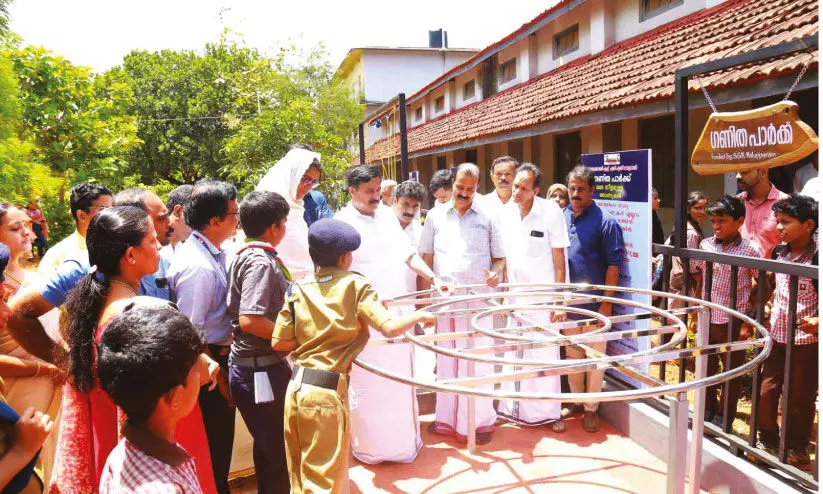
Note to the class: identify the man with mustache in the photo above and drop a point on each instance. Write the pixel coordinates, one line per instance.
(33, 301)
(384, 423)
(462, 241)
(502, 175)
(595, 254)
(535, 238)
(759, 195)
(407, 199)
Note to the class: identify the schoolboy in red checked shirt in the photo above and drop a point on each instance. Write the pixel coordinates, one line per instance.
(147, 363)
(727, 215)
(796, 223)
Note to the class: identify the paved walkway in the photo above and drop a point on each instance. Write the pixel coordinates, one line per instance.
(518, 460)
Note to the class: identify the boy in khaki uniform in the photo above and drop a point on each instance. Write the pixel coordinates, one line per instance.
(325, 324)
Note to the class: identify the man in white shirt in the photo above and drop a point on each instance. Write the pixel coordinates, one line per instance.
(407, 199)
(502, 175)
(86, 200)
(384, 424)
(535, 239)
(440, 187)
(461, 241)
(175, 203)
(387, 187)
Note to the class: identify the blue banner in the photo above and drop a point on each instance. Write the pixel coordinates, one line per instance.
(623, 189)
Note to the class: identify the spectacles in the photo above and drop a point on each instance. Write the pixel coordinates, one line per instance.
(308, 181)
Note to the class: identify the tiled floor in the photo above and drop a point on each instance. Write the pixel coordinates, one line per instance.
(518, 460)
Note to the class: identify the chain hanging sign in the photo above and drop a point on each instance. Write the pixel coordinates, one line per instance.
(754, 139)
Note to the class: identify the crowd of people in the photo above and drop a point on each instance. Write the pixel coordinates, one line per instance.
(163, 319)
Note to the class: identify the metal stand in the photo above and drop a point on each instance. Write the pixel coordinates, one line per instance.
(700, 365)
(678, 444)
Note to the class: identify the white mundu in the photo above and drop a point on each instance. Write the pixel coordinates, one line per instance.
(528, 243)
(462, 247)
(413, 232)
(384, 423)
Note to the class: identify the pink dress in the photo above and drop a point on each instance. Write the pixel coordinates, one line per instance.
(90, 431)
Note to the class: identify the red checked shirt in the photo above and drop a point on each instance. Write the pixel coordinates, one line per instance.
(722, 276)
(806, 302)
(142, 463)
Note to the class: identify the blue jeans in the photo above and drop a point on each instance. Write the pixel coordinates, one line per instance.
(265, 423)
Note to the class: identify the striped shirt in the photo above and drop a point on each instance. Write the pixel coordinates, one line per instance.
(722, 276)
(806, 301)
(153, 467)
(463, 246)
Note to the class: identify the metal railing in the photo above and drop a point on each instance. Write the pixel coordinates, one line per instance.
(736, 444)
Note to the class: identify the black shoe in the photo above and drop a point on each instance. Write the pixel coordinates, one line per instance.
(481, 438)
(558, 426)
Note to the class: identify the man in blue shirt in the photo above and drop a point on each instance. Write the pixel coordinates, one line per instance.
(315, 207)
(199, 277)
(33, 301)
(595, 254)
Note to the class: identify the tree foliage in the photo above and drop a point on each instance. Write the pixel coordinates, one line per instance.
(161, 119)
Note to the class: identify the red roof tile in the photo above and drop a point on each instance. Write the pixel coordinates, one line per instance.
(638, 70)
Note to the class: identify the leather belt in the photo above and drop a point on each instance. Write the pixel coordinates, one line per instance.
(255, 362)
(316, 377)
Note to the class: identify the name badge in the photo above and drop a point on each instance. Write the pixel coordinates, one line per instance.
(536, 233)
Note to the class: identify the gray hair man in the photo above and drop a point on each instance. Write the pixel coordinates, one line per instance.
(461, 241)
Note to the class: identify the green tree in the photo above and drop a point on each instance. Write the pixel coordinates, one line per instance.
(80, 125)
(186, 104)
(299, 104)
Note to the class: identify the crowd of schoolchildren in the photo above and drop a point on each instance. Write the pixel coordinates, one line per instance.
(775, 226)
(136, 365)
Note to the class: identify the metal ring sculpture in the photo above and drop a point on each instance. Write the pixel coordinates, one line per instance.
(566, 297)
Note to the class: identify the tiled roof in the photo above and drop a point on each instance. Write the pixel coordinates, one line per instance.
(636, 71)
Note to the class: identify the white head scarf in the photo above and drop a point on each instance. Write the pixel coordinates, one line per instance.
(284, 177)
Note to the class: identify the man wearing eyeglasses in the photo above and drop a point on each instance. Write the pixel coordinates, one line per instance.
(199, 277)
(86, 200)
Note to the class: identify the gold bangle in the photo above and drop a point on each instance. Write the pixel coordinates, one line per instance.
(37, 372)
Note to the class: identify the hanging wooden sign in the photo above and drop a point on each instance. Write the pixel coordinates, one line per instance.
(764, 137)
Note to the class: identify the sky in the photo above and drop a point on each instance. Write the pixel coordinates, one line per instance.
(98, 33)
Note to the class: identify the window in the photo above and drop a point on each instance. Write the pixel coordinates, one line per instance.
(441, 162)
(439, 104)
(468, 90)
(651, 8)
(657, 134)
(566, 41)
(508, 71)
(418, 114)
(567, 150)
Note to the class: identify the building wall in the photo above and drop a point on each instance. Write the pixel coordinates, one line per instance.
(460, 81)
(391, 72)
(627, 17)
(545, 39)
(355, 80)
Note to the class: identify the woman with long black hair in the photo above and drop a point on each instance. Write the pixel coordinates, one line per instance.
(123, 247)
(696, 203)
